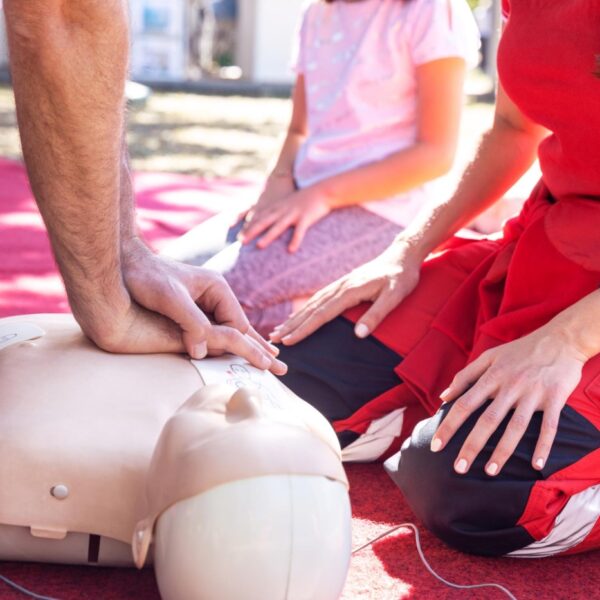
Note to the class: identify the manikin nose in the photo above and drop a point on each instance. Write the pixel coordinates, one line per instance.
(244, 404)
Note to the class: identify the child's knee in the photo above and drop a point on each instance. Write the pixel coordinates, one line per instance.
(244, 287)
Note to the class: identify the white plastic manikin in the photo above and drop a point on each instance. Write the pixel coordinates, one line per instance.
(234, 484)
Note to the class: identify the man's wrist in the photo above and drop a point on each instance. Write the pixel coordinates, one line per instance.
(132, 244)
(98, 311)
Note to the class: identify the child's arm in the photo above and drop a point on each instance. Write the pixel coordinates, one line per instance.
(296, 134)
(280, 182)
(440, 96)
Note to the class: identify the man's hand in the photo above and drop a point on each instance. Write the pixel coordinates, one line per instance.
(300, 210)
(176, 307)
(384, 281)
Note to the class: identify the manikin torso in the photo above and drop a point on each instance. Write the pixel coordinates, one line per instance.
(79, 429)
(73, 416)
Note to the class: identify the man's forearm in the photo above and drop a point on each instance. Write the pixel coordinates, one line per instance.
(128, 223)
(69, 63)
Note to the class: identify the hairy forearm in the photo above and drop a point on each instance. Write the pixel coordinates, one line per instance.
(128, 223)
(69, 61)
(395, 174)
(504, 155)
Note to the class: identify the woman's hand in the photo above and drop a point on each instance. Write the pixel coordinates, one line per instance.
(535, 373)
(384, 281)
(300, 210)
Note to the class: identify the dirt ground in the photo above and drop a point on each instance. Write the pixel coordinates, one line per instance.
(225, 136)
(212, 136)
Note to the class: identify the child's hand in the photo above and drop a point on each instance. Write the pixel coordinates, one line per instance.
(276, 189)
(300, 210)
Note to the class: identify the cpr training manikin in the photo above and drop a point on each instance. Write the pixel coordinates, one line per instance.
(212, 470)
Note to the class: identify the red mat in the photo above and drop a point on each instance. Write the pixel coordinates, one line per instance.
(391, 570)
(168, 206)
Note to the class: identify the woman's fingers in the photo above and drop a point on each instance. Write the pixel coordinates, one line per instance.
(324, 307)
(469, 375)
(547, 436)
(317, 317)
(513, 434)
(534, 373)
(296, 319)
(488, 423)
(525, 403)
(383, 305)
(461, 410)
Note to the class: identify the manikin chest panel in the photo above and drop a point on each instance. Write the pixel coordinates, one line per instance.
(73, 416)
(107, 445)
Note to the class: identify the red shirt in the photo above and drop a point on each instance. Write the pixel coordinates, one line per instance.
(549, 64)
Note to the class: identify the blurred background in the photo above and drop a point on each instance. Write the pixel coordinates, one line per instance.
(215, 100)
(186, 41)
(188, 51)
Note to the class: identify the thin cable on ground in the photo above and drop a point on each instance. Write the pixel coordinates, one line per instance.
(24, 591)
(428, 566)
(356, 551)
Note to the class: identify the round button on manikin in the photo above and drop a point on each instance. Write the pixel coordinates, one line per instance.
(60, 492)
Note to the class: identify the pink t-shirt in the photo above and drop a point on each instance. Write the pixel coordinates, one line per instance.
(359, 64)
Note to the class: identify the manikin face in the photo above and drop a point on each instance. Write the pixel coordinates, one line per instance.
(222, 435)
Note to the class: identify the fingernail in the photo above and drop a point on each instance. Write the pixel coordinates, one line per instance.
(436, 444)
(491, 469)
(287, 338)
(539, 463)
(282, 366)
(265, 362)
(361, 331)
(445, 394)
(461, 466)
(200, 351)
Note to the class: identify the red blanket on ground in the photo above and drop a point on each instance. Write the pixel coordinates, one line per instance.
(170, 205)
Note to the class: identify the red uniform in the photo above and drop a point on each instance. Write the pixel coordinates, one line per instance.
(479, 294)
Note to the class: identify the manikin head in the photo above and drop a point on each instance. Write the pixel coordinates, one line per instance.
(246, 501)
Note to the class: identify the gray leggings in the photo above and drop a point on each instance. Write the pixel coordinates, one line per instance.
(267, 281)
